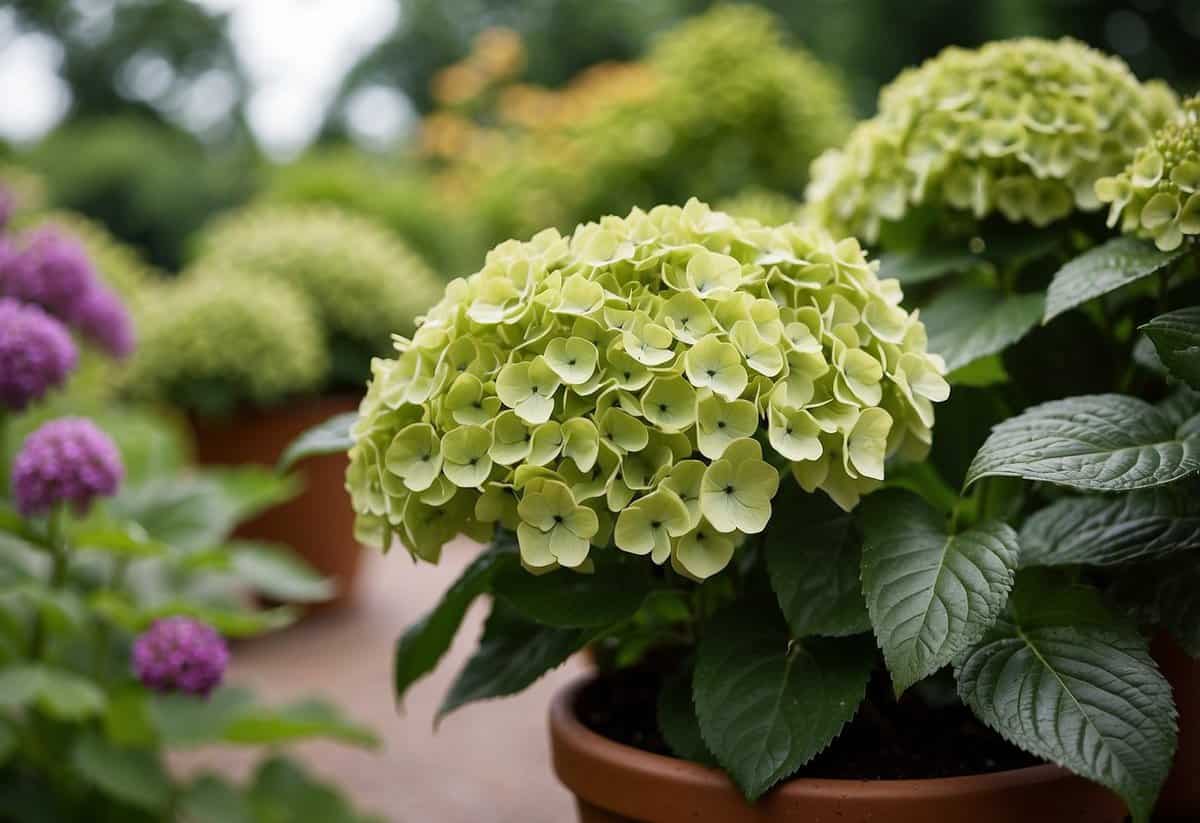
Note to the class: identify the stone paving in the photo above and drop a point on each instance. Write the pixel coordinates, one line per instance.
(487, 763)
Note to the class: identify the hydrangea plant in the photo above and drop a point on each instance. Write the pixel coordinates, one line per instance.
(1158, 194)
(211, 342)
(640, 382)
(1023, 128)
(364, 282)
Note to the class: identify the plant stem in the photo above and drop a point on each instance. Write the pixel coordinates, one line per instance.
(100, 652)
(57, 544)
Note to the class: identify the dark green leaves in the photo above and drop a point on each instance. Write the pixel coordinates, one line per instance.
(813, 553)
(133, 776)
(677, 720)
(967, 323)
(930, 594)
(1103, 269)
(329, 437)
(1107, 530)
(1083, 694)
(613, 592)
(56, 692)
(766, 706)
(513, 653)
(422, 645)
(911, 268)
(1100, 442)
(1176, 337)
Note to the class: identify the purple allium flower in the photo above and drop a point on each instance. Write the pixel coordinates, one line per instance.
(103, 318)
(67, 460)
(36, 354)
(51, 270)
(179, 654)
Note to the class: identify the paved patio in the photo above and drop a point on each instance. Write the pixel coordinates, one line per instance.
(487, 762)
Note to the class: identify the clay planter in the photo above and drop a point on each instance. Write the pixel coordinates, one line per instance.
(318, 523)
(1180, 797)
(614, 783)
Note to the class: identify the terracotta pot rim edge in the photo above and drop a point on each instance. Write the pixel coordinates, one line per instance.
(568, 731)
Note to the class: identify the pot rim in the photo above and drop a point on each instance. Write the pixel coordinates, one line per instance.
(611, 761)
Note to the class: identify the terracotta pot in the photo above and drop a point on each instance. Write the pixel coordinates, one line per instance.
(614, 783)
(318, 524)
(1180, 796)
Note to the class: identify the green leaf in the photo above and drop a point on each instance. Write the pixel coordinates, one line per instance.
(1081, 694)
(182, 721)
(278, 573)
(191, 512)
(1102, 269)
(930, 594)
(229, 621)
(329, 437)
(1165, 594)
(283, 792)
(1176, 337)
(251, 490)
(423, 643)
(59, 693)
(133, 776)
(677, 720)
(911, 268)
(813, 553)
(766, 705)
(127, 720)
(261, 725)
(1098, 442)
(212, 799)
(967, 323)
(512, 654)
(1109, 530)
(568, 599)
(8, 741)
(118, 539)
(20, 685)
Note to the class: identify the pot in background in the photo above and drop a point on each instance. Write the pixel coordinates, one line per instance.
(1180, 796)
(615, 783)
(318, 523)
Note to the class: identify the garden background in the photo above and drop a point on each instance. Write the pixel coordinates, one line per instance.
(449, 125)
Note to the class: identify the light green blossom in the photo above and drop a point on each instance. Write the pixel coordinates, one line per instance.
(625, 380)
(1020, 127)
(1158, 195)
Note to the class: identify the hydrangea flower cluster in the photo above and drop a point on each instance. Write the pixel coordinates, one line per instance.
(364, 282)
(52, 270)
(65, 462)
(36, 354)
(1158, 195)
(1021, 127)
(214, 338)
(622, 384)
(179, 654)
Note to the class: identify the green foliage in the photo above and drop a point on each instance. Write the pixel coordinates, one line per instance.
(1176, 338)
(1103, 269)
(1098, 705)
(212, 343)
(969, 323)
(329, 437)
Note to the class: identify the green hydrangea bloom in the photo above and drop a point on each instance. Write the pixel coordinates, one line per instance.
(1021, 127)
(641, 381)
(1158, 195)
(365, 281)
(211, 343)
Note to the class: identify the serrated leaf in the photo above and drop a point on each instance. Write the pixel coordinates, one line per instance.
(677, 720)
(568, 599)
(1098, 442)
(329, 437)
(512, 654)
(133, 776)
(967, 323)
(423, 643)
(1083, 695)
(813, 553)
(1176, 338)
(1105, 268)
(1109, 530)
(767, 706)
(930, 594)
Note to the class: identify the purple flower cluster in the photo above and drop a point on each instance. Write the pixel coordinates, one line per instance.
(53, 271)
(179, 654)
(36, 354)
(65, 461)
